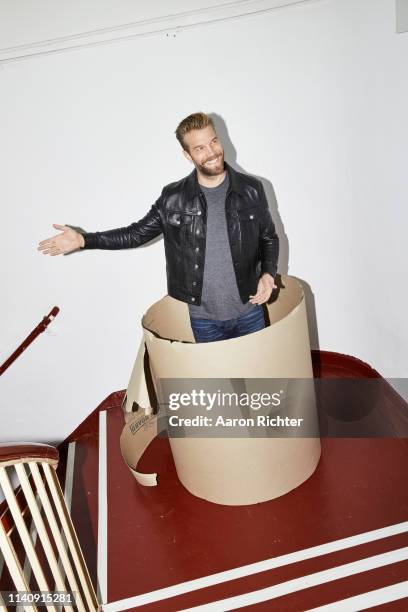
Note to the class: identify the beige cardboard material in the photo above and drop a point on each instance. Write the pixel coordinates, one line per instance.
(139, 431)
(230, 471)
(137, 389)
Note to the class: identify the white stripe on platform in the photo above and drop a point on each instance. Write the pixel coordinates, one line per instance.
(255, 568)
(102, 570)
(367, 600)
(305, 582)
(69, 475)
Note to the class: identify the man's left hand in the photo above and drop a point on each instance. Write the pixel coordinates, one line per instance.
(264, 290)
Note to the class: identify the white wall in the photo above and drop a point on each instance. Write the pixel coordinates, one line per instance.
(401, 7)
(314, 102)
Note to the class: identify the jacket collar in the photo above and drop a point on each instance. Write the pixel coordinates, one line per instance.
(192, 186)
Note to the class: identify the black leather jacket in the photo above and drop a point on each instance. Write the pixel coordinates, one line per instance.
(180, 214)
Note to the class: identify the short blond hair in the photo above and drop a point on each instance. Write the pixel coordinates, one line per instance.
(196, 121)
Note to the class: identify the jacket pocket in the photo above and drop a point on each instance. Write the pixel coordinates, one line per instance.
(249, 220)
(249, 214)
(178, 219)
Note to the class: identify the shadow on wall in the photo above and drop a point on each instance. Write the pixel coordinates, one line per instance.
(231, 157)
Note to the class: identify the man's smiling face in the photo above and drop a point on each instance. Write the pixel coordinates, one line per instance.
(205, 151)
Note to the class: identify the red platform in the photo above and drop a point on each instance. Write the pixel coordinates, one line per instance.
(342, 533)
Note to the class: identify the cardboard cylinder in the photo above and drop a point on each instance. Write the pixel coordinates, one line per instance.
(233, 471)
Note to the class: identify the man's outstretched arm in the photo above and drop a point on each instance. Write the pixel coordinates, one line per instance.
(128, 237)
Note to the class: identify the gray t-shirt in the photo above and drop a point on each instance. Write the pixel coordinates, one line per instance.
(220, 297)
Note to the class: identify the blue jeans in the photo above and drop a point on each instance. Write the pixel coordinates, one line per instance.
(211, 330)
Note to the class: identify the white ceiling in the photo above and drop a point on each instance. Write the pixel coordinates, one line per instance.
(29, 25)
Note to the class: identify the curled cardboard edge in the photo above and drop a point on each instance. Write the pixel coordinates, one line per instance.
(141, 426)
(137, 389)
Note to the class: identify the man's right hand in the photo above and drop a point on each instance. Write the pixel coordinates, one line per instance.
(66, 242)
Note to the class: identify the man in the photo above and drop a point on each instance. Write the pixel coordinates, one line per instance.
(220, 241)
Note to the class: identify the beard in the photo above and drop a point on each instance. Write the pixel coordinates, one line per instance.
(214, 170)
